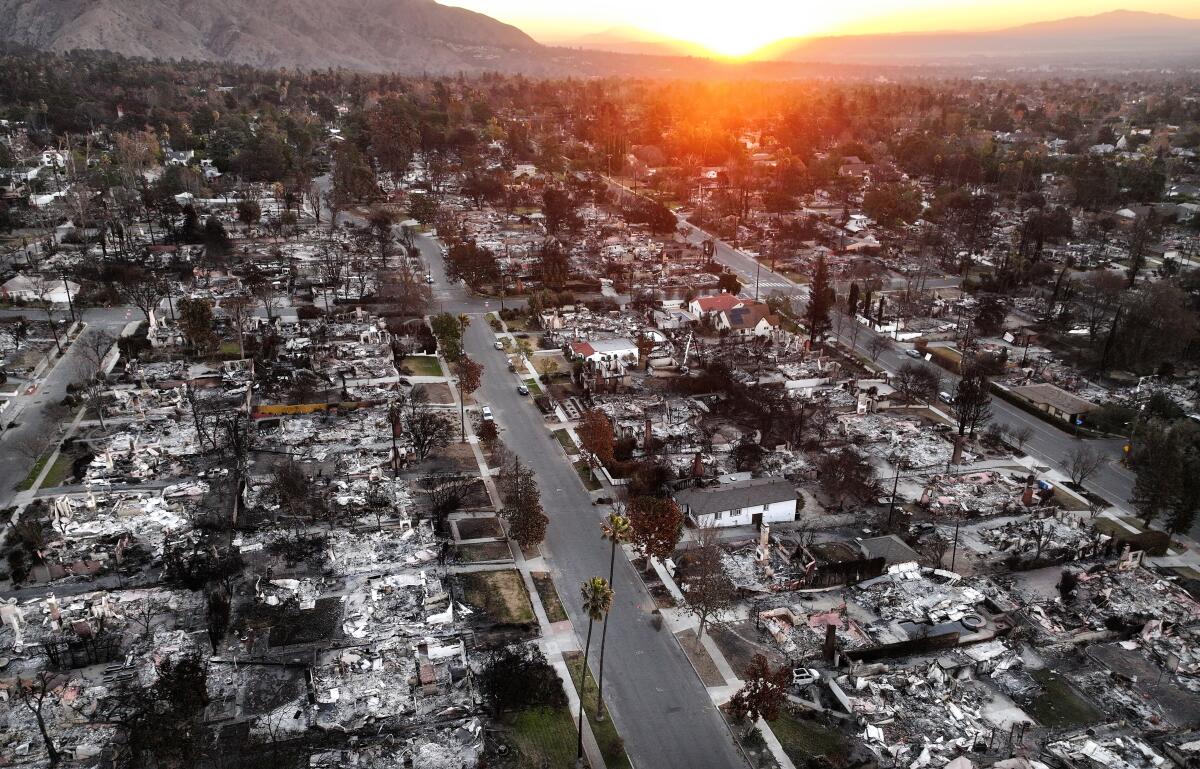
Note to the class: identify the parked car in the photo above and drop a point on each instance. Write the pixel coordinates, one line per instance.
(802, 677)
(486, 413)
(945, 397)
(913, 353)
(498, 345)
(523, 389)
(429, 279)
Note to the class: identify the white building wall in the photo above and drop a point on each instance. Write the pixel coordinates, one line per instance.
(776, 512)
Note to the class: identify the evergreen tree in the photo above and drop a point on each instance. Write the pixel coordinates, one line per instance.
(820, 299)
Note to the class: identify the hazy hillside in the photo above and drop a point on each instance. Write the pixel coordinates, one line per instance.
(632, 40)
(1118, 35)
(404, 35)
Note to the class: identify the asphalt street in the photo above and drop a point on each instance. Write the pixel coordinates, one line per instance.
(34, 429)
(659, 705)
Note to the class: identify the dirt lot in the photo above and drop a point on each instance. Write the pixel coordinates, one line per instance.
(499, 595)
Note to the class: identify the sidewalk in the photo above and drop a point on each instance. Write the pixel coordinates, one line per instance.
(555, 638)
(678, 620)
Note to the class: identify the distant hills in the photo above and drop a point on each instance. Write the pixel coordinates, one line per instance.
(379, 35)
(632, 40)
(422, 36)
(1117, 35)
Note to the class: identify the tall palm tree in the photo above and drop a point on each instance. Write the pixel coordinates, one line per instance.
(597, 600)
(616, 528)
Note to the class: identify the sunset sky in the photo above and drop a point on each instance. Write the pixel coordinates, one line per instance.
(739, 27)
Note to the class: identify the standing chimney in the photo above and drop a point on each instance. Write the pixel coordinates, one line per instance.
(830, 642)
(764, 542)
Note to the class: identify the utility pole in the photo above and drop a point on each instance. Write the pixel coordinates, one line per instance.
(892, 503)
(67, 288)
(954, 552)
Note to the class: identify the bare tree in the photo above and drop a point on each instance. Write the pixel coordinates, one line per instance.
(28, 444)
(972, 403)
(142, 289)
(427, 430)
(238, 308)
(877, 345)
(145, 615)
(446, 496)
(34, 694)
(917, 382)
(1082, 462)
(93, 350)
(707, 590)
(1021, 436)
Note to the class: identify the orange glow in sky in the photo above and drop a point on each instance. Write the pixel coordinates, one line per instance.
(740, 27)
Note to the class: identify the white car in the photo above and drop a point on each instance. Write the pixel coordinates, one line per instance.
(486, 412)
(802, 677)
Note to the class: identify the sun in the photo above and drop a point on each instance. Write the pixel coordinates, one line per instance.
(732, 38)
(734, 31)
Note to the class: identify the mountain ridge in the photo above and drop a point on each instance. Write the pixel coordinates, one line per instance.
(375, 35)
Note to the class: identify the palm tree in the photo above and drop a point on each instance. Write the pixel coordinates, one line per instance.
(616, 528)
(597, 600)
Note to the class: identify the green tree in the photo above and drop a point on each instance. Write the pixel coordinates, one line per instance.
(820, 301)
(353, 179)
(893, 204)
(196, 322)
(1157, 463)
(393, 131)
(248, 212)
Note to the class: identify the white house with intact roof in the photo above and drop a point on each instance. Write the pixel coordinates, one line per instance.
(740, 503)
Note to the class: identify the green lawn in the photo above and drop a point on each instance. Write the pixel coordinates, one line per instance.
(612, 747)
(803, 739)
(542, 737)
(564, 440)
(425, 365)
(55, 477)
(587, 476)
(34, 472)
(59, 472)
(534, 387)
(1059, 705)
